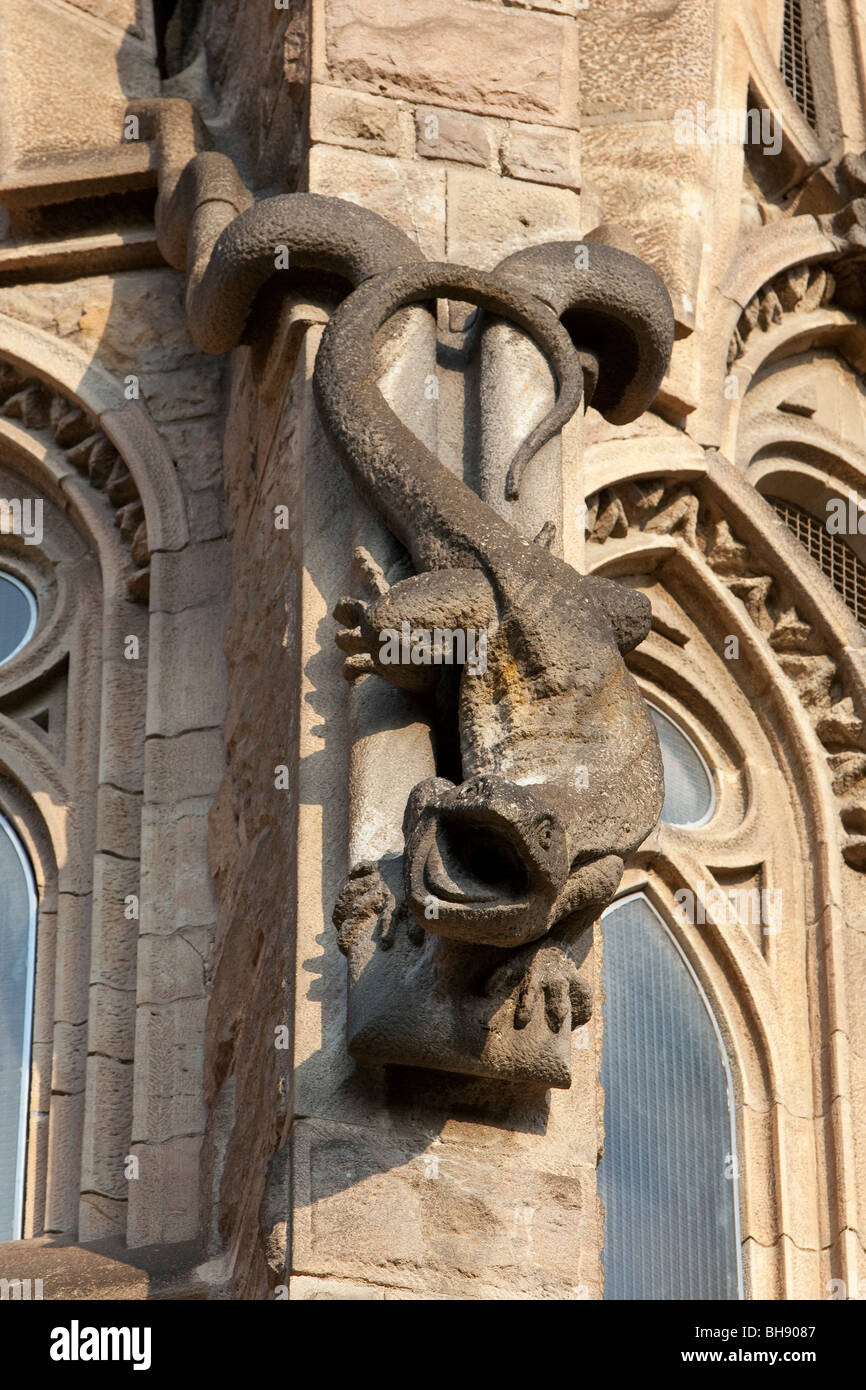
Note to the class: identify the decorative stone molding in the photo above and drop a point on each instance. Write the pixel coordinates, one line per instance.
(89, 451)
(838, 278)
(796, 290)
(820, 676)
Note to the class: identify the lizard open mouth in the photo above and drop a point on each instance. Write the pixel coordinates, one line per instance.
(484, 861)
(474, 881)
(475, 864)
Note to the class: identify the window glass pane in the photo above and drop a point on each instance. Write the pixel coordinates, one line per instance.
(667, 1175)
(688, 788)
(17, 616)
(17, 931)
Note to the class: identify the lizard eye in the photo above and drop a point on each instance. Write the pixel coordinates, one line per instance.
(544, 831)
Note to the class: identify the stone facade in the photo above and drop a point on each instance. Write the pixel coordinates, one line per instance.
(198, 1126)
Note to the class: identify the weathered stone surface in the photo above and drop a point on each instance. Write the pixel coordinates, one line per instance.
(115, 940)
(70, 1039)
(118, 829)
(174, 966)
(542, 154)
(106, 1140)
(187, 659)
(163, 1206)
(445, 1221)
(189, 577)
(168, 1053)
(44, 113)
(123, 13)
(257, 60)
(489, 217)
(357, 121)
(410, 195)
(188, 765)
(176, 890)
(102, 1270)
(112, 1022)
(653, 59)
(304, 1289)
(205, 507)
(457, 135)
(413, 49)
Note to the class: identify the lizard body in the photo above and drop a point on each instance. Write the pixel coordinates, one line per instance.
(554, 728)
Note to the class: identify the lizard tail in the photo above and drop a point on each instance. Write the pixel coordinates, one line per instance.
(616, 310)
(355, 411)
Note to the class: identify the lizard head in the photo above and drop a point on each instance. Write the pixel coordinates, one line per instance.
(490, 861)
(508, 854)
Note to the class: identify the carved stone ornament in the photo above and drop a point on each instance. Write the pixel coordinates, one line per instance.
(467, 959)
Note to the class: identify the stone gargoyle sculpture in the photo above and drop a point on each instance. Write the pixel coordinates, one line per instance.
(515, 859)
(468, 965)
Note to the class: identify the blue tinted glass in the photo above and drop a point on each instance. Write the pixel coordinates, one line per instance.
(17, 616)
(688, 789)
(666, 1178)
(16, 989)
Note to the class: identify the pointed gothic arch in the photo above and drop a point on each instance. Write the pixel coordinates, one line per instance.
(717, 562)
(75, 772)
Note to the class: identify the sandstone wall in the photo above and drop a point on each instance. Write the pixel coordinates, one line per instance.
(459, 124)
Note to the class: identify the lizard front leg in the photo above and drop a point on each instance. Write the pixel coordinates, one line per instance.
(543, 975)
(546, 970)
(398, 635)
(364, 898)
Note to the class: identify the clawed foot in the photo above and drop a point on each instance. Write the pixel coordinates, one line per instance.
(364, 898)
(546, 974)
(355, 638)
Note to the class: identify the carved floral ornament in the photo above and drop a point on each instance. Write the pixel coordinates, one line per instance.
(836, 279)
(661, 507)
(90, 452)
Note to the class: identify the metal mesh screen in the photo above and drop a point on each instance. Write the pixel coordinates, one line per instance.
(794, 61)
(16, 990)
(843, 568)
(668, 1175)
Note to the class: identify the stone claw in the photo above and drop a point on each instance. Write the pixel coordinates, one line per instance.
(350, 640)
(350, 611)
(357, 665)
(545, 975)
(364, 898)
(370, 570)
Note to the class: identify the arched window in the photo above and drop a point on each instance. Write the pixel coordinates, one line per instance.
(17, 616)
(668, 1178)
(689, 796)
(17, 957)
